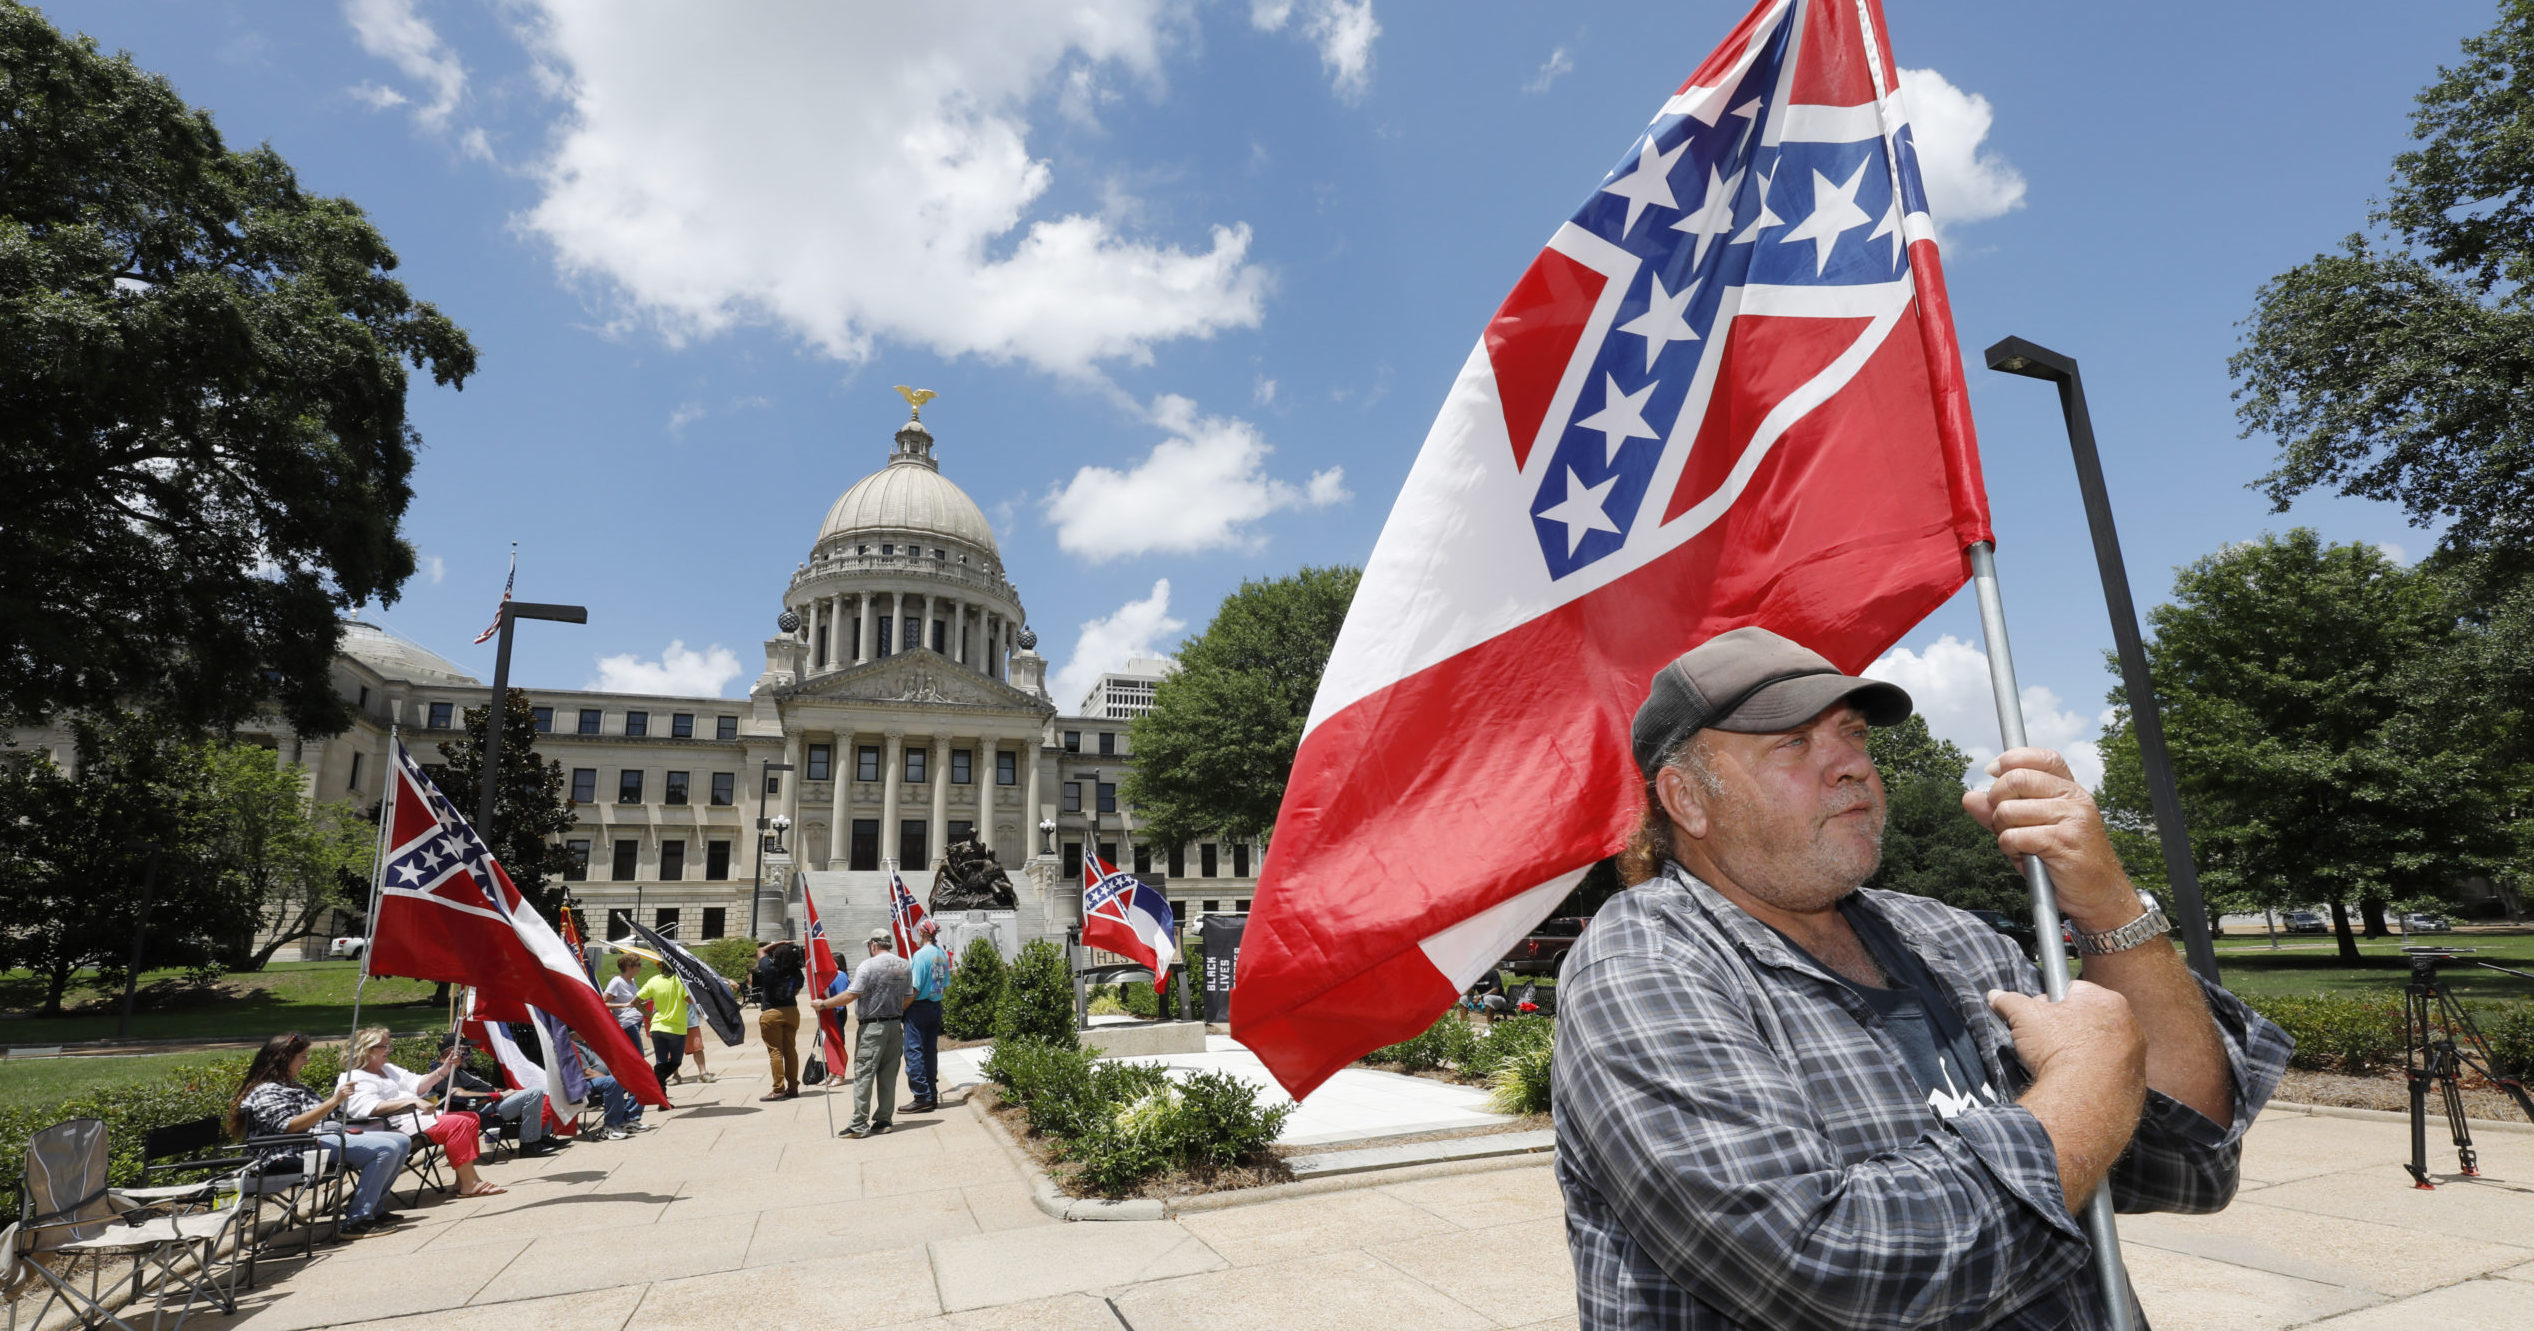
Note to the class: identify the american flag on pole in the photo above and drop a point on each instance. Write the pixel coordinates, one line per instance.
(507, 584)
(1725, 393)
(905, 913)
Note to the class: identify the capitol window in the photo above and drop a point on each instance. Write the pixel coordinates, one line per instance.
(629, 787)
(1073, 797)
(589, 720)
(1007, 768)
(637, 723)
(682, 725)
(584, 785)
(439, 716)
(545, 719)
(1108, 744)
(725, 727)
(818, 763)
(866, 763)
(724, 786)
(915, 766)
(961, 771)
(674, 791)
(1073, 741)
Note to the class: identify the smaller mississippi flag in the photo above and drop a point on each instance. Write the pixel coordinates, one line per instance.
(821, 960)
(906, 914)
(1124, 914)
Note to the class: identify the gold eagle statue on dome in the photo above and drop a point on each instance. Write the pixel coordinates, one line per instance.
(916, 398)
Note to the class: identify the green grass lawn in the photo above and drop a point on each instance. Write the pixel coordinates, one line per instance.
(42, 1081)
(310, 996)
(2311, 964)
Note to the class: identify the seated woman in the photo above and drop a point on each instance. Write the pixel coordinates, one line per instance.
(381, 1090)
(272, 1103)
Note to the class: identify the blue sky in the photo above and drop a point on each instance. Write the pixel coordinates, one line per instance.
(1192, 279)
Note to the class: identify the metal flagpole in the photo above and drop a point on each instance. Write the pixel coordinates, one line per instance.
(378, 875)
(2100, 1228)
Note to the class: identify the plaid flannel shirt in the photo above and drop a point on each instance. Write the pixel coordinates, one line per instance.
(1740, 1144)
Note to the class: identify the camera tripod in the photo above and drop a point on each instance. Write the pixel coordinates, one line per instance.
(2440, 1041)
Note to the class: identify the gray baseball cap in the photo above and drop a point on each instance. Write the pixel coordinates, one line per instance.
(1750, 681)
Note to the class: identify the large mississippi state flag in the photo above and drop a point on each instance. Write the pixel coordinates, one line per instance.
(1726, 393)
(820, 959)
(448, 911)
(906, 916)
(1123, 914)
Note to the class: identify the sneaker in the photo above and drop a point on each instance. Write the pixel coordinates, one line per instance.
(613, 1134)
(918, 1107)
(856, 1133)
(878, 1128)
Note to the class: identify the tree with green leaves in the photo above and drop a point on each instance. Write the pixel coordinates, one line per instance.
(1212, 756)
(88, 852)
(2291, 675)
(2396, 368)
(203, 436)
(291, 862)
(1931, 848)
(530, 808)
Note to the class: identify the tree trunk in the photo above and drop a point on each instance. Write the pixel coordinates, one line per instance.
(55, 985)
(2340, 926)
(2372, 910)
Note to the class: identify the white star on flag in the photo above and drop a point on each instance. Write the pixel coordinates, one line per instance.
(1714, 216)
(1835, 213)
(1889, 226)
(1650, 183)
(409, 873)
(1621, 418)
(1768, 217)
(1582, 509)
(1662, 323)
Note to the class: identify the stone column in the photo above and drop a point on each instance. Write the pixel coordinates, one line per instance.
(937, 771)
(791, 806)
(834, 633)
(893, 766)
(1030, 782)
(959, 631)
(839, 827)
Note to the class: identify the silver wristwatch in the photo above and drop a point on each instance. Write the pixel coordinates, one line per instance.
(2153, 924)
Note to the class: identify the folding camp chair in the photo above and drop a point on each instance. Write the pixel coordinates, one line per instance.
(67, 1213)
(427, 1157)
(314, 1172)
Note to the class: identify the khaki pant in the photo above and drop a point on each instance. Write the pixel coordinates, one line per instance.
(781, 1029)
(878, 1046)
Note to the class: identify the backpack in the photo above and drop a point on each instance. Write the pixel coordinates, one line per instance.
(778, 984)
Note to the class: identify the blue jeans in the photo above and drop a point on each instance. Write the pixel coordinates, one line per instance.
(377, 1155)
(618, 1104)
(923, 1048)
(528, 1109)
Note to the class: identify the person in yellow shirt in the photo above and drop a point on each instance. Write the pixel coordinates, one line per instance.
(667, 1001)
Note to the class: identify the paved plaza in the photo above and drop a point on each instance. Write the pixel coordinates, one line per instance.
(737, 1213)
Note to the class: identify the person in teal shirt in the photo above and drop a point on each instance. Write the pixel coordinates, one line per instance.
(930, 968)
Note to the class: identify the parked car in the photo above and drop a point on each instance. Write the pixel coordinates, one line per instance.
(347, 949)
(2308, 922)
(2421, 923)
(1544, 951)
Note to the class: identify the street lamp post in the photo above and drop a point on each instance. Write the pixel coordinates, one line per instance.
(756, 885)
(2014, 355)
(1089, 781)
(511, 613)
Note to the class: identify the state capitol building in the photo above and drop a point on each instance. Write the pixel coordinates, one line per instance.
(903, 688)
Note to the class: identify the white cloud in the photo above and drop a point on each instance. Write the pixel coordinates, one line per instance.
(858, 172)
(1344, 30)
(1199, 489)
(1263, 392)
(1949, 683)
(1557, 66)
(392, 31)
(680, 670)
(434, 568)
(1964, 184)
(2394, 552)
(1108, 644)
(686, 414)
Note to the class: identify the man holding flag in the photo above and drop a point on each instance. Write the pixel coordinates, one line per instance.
(1710, 458)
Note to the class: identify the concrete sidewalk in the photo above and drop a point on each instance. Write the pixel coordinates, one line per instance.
(741, 1213)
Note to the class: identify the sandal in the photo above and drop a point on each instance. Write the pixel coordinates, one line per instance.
(484, 1190)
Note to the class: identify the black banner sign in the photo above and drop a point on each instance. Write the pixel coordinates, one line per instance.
(1219, 936)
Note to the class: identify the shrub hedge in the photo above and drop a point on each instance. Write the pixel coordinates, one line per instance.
(732, 958)
(2362, 1036)
(191, 1091)
(1122, 1123)
(1037, 997)
(974, 996)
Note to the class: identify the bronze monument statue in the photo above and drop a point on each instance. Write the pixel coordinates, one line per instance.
(969, 879)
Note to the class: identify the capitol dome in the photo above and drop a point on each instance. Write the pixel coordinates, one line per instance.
(909, 497)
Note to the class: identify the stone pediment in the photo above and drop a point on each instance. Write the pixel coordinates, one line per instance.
(921, 677)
